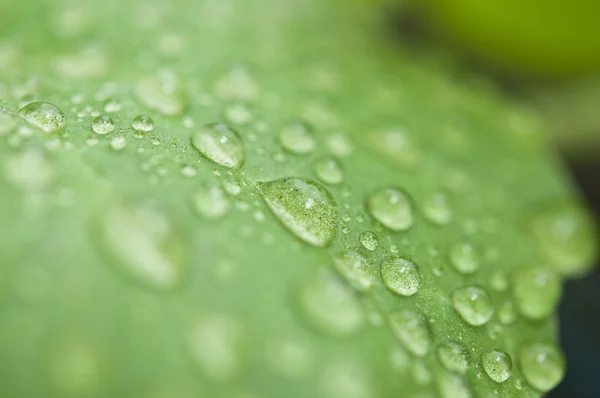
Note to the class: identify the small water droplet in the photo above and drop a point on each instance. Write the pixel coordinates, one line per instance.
(542, 365)
(289, 358)
(395, 145)
(452, 386)
(411, 330)
(188, 171)
(392, 208)
(329, 170)
(7, 123)
(30, 170)
(356, 269)
(473, 305)
(453, 357)
(339, 145)
(536, 292)
(238, 84)
(103, 125)
(162, 92)
(304, 207)
(464, 257)
(436, 208)
(111, 105)
(118, 143)
(369, 240)
(345, 380)
(238, 113)
(401, 276)
(499, 281)
(142, 123)
(297, 138)
(220, 144)
(498, 365)
(210, 201)
(44, 115)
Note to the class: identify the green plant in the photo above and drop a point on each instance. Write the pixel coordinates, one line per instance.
(267, 199)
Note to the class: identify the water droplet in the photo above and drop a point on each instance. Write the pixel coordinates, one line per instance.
(304, 207)
(369, 240)
(536, 292)
(297, 138)
(396, 146)
(142, 123)
(507, 313)
(499, 281)
(473, 304)
(452, 386)
(188, 171)
(143, 245)
(357, 270)
(329, 170)
(464, 257)
(497, 365)
(339, 145)
(103, 125)
(30, 170)
(210, 201)
(220, 144)
(567, 237)
(118, 143)
(289, 358)
(238, 113)
(436, 208)
(7, 123)
(401, 276)
(542, 365)
(330, 307)
(345, 380)
(215, 343)
(44, 115)
(162, 92)
(411, 330)
(453, 357)
(238, 84)
(392, 208)
(111, 105)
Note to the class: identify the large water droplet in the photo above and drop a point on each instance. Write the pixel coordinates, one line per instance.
(542, 365)
(103, 125)
(162, 92)
(436, 208)
(464, 258)
(453, 357)
(210, 201)
(142, 123)
(297, 138)
(357, 270)
(143, 244)
(473, 304)
(412, 331)
(567, 236)
(221, 144)
(329, 306)
(369, 240)
(329, 170)
(497, 365)
(304, 207)
(44, 115)
(536, 292)
(401, 276)
(392, 208)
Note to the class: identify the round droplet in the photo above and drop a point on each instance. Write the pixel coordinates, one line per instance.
(118, 143)
(567, 237)
(304, 207)
(542, 365)
(143, 244)
(392, 208)
(162, 92)
(436, 208)
(396, 146)
(356, 269)
(464, 258)
(142, 123)
(401, 276)
(211, 202)
(507, 313)
(497, 365)
(297, 138)
(345, 379)
(44, 115)
(473, 305)
(329, 306)
(453, 357)
(411, 330)
(452, 386)
(536, 292)
(103, 125)
(289, 358)
(499, 281)
(220, 144)
(329, 170)
(369, 240)
(111, 105)
(238, 114)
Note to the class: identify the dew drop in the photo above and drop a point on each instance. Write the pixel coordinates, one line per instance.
(237, 84)
(392, 208)
(44, 116)
(329, 170)
(507, 313)
(473, 305)
(436, 209)
(497, 365)
(345, 380)
(30, 170)
(369, 240)
(453, 357)
(304, 207)
(401, 276)
(118, 143)
(289, 358)
(339, 145)
(210, 201)
(452, 386)
(188, 171)
(542, 365)
(411, 330)
(396, 146)
(536, 292)
(238, 114)
(7, 123)
(103, 125)
(143, 245)
(142, 123)
(297, 138)
(220, 144)
(464, 257)
(111, 105)
(329, 306)
(356, 269)
(162, 92)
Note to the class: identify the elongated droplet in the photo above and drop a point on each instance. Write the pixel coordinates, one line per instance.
(497, 365)
(143, 245)
(44, 116)
(304, 207)
(392, 208)
(542, 365)
(220, 144)
(356, 269)
(453, 357)
(412, 331)
(537, 291)
(297, 138)
(473, 305)
(400, 275)
(162, 92)
(464, 258)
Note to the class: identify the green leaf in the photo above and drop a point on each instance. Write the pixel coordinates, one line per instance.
(268, 199)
